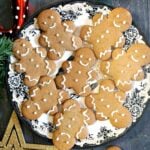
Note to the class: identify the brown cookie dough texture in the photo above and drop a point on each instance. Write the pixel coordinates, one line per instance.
(43, 98)
(71, 125)
(57, 36)
(31, 61)
(127, 66)
(78, 73)
(107, 104)
(107, 32)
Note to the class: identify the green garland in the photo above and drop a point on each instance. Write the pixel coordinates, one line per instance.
(5, 52)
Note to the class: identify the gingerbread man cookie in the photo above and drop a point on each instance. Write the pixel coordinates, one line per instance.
(31, 61)
(71, 125)
(107, 104)
(78, 73)
(127, 66)
(106, 32)
(57, 36)
(43, 98)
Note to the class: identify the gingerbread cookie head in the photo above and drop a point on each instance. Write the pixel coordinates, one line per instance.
(73, 70)
(21, 48)
(43, 98)
(30, 61)
(107, 104)
(71, 125)
(126, 66)
(120, 18)
(58, 36)
(85, 57)
(48, 19)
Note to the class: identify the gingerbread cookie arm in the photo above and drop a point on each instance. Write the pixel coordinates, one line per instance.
(62, 96)
(31, 80)
(69, 26)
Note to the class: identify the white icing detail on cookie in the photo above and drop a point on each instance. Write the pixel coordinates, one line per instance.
(34, 92)
(29, 77)
(73, 119)
(18, 51)
(37, 105)
(128, 65)
(70, 67)
(116, 120)
(23, 45)
(93, 102)
(60, 97)
(53, 109)
(57, 35)
(118, 16)
(69, 126)
(79, 72)
(107, 67)
(28, 106)
(44, 100)
(26, 53)
(123, 82)
(45, 83)
(20, 66)
(76, 80)
(48, 67)
(124, 22)
(67, 28)
(78, 133)
(63, 133)
(102, 115)
(102, 36)
(101, 99)
(136, 51)
(104, 53)
(119, 98)
(119, 41)
(143, 56)
(119, 55)
(45, 22)
(53, 26)
(63, 82)
(40, 53)
(31, 59)
(99, 20)
(90, 75)
(97, 40)
(86, 117)
(106, 88)
(69, 108)
(74, 43)
(46, 40)
(108, 106)
(37, 65)
(50, 93)
(122, 115)
(112, 114)
(134, 59)
(35, 113)
(84, 89)
(55, 52)
(116, 25)
(59, 121)
(88, 34)
(52, 17)
(83, 64)
(62, 42)
(136, 75)
(107, 31)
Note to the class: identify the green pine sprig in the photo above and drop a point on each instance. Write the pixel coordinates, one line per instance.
(5, 52)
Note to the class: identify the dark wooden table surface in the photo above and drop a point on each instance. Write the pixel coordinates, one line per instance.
(138, 137)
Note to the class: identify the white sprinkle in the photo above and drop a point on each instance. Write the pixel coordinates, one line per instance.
(16, 17)
(18, 27)
(10, 31)
(27, 7)
(24, 16)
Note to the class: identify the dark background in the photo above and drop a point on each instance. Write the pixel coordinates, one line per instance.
(138, 137)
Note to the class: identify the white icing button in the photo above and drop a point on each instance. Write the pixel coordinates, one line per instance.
(90, 59)
(50, 93)
(67, 142)
(18, 52)
(116, 120)
(31, 59)
(28, 106)
(122, 115)
(102, 99)
(108, 106)
(37, 66)
(69, 126)
(52, 17)
(124, 22)
(23, 45)
(73, 119)
(143, 56)
(136, 51)
(57, 35)
(128, 65)
(57, 139)
(102, 36)
(107, 31)
(44, 22)
(76, 80)
(35, 113)
(79, 72)
(97, 41)
(44, 100)
(122, 71)
(81, 56)
(62, 42)
(118, 16)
